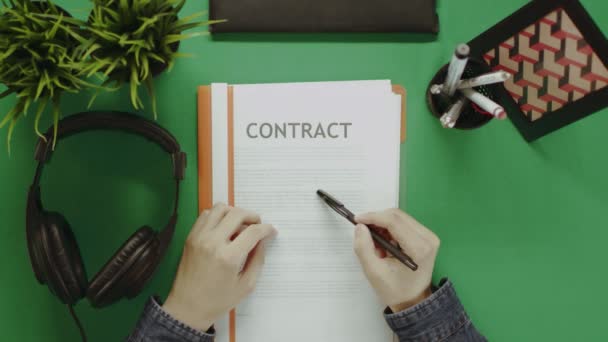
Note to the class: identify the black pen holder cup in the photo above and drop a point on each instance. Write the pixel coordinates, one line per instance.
(471, 117)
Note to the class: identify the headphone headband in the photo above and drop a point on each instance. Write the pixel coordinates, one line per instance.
(114, 121)
(53, 249)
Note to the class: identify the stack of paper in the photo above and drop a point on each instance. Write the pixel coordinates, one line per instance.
(273, 146)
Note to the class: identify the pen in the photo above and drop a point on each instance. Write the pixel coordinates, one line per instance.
(485, 103)
(449, 119)
(456, 68)
(436, 89)
(485, 79)
(395, 251)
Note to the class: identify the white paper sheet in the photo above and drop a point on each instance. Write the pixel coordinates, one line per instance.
(312, 288)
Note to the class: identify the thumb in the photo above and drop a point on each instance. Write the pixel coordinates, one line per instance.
(364, 247)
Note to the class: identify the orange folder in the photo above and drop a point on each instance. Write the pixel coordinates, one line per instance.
(205, 167)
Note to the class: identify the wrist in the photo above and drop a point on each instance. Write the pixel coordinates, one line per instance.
(187, 313)
(409, 303)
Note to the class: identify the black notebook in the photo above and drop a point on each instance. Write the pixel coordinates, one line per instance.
(325, 16)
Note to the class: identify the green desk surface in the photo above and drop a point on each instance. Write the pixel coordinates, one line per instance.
(523, 226)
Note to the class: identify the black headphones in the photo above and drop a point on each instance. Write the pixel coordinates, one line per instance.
(53, 250)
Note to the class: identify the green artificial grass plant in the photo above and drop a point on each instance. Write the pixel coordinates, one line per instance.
(132, 40)
(38, 58)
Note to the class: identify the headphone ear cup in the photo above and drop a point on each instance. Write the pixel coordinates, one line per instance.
(37, 253)
(66, 275)
(129, 269)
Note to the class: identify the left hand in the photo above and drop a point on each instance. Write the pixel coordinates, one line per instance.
(217, 270)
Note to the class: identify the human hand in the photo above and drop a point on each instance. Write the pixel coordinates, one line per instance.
(217, 269)
(397, 286)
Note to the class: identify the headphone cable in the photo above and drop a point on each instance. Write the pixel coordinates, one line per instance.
(80, 328)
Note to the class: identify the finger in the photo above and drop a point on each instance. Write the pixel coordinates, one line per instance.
(365, 249)
(197, 228)
(253, 267)
(398, 226)
(234, 221)
(201, 220)
(380, 252)
(216, 215)
(426, 233)
(383, 219)
(249, 238)
(419, 228)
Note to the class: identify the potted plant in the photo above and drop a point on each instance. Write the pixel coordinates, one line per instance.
(131, 41)
(38, 58)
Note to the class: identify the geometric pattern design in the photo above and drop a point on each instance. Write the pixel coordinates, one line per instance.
(552, 65)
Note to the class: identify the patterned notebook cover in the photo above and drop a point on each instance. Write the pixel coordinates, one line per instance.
(557, 60)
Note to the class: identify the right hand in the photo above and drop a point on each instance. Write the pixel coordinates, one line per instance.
(217, 269)
(397, 286)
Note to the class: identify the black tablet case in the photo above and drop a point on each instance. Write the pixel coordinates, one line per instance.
(325, 16)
